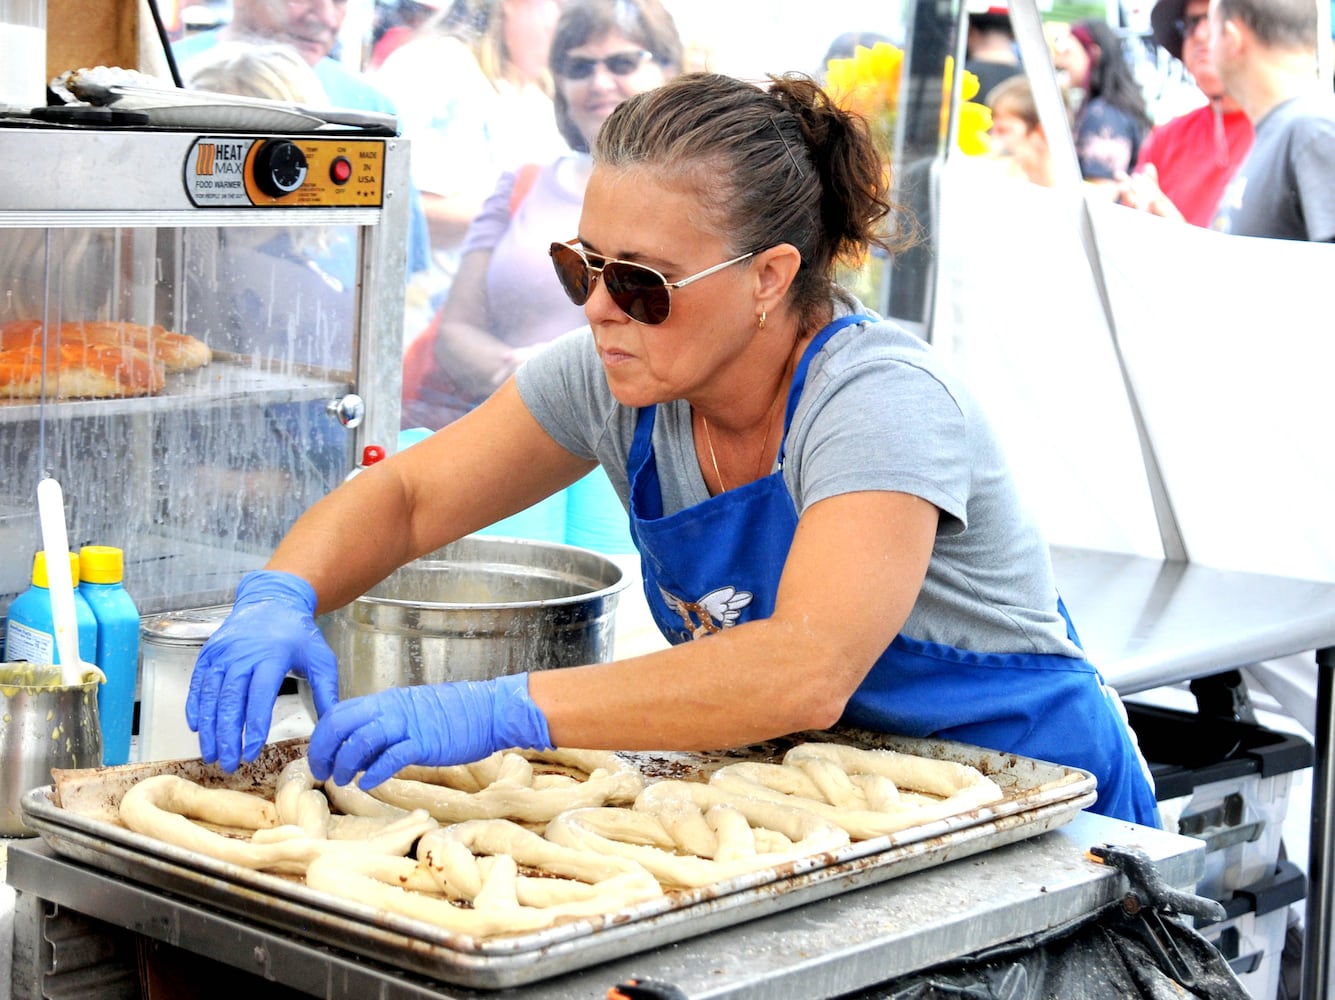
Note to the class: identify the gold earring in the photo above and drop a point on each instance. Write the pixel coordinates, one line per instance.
(763, 314)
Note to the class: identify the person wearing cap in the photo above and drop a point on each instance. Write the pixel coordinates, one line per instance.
(991, 54)
(1185, 163)
(1266, 55)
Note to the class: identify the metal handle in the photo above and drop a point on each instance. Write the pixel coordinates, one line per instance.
(349, 410)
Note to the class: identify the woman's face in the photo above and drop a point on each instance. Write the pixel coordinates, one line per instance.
(615, 68)
(1070, 57)
(630, 214)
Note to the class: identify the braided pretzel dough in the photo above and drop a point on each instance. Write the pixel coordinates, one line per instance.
(690, 834)
(300, 803)
(165, 806)
(477, 861)
(862, 791)
(504, 786)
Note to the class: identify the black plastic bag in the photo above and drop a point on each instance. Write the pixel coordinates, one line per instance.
(1112, 955)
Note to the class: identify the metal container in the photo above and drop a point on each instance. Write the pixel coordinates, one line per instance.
(20, 537)
(476, 609)
(168, 649)
(44, 724)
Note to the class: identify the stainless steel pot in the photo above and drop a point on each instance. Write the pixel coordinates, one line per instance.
(43, 724)
(476, 609)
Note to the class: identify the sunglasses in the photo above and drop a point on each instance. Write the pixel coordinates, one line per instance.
(640, 292)
(618, 64)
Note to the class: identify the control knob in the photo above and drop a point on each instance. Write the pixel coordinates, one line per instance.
(280, 167)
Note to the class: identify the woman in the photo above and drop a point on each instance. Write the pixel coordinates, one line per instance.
(1112, 121)
(474, 97)
(504, 304)
(816, 500)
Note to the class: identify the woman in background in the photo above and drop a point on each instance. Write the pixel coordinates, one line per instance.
(474, 98)
(1112, 121)
(504, 304)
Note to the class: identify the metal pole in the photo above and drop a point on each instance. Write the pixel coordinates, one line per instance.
(1317, 981)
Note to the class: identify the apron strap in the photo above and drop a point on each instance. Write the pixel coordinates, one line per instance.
(800, 373)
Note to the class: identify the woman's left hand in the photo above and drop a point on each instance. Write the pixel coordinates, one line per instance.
(435, 725)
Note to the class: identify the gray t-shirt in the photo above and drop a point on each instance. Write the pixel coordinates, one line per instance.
(1285, 188)
(880, 411)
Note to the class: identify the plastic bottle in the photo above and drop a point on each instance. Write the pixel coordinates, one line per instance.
(31, 634)
(101, 581)
(371, 454)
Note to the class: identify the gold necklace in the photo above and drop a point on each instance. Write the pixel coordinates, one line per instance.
(764, 445)
(709, 442)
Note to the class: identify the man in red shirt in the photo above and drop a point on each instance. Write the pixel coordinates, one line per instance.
(1185, 163)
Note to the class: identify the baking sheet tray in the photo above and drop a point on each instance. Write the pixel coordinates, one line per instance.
(84, 826)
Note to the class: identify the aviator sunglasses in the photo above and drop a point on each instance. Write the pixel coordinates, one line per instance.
(618, 64)
(640, 292)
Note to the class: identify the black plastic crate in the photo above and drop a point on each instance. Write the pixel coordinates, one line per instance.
(1227, 783)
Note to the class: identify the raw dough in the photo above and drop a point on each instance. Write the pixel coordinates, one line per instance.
(690, 834)
(165, 806)
(870, 793)
(503, 786)
(478, 862)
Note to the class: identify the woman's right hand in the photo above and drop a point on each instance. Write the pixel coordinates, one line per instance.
(270, 633)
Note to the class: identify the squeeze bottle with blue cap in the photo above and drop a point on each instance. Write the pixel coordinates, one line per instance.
(101, 581)
(31, 632)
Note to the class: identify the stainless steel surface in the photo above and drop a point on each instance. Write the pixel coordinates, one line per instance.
(43, 724)
(1039, 797)
(478, 608)
(1147, 623)
(825, 948)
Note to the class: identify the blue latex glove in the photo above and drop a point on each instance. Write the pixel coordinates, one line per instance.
(434, 725)
(270, 633)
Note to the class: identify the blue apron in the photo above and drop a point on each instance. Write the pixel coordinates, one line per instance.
(716, 564)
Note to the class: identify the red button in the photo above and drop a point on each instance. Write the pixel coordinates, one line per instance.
(340, 171)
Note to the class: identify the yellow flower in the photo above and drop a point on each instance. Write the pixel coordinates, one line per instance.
(867, 84)
(975, 118)
(975, 124)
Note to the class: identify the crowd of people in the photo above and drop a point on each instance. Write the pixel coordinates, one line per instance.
(1251, 159)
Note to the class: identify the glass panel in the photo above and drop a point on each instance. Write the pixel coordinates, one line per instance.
(176, 382)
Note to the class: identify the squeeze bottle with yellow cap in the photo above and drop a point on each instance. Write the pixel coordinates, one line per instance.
(31, 633)
(101, 576)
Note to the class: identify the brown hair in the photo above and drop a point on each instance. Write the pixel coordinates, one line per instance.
(1284, 24)
(1014, 96)
(645, 22)
(783, 165)
(479, 24)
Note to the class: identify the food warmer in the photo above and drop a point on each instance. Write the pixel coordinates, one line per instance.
(276, 240)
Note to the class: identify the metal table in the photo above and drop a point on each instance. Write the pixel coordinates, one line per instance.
(1146, 623)
(836, 945)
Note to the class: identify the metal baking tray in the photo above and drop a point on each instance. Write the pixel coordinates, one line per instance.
(84, 826)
